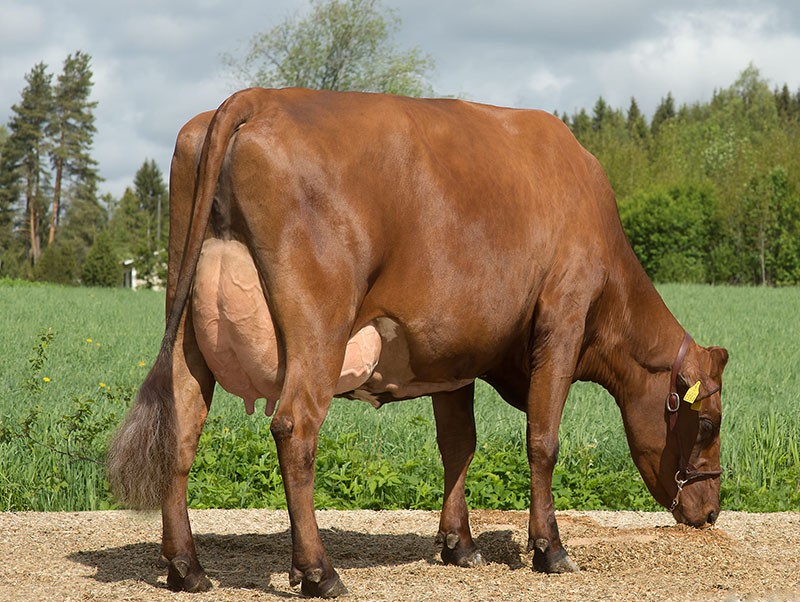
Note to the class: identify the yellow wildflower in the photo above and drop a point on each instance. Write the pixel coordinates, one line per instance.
(102, 385)
(46, 379)
(88, 340)
(141, 364)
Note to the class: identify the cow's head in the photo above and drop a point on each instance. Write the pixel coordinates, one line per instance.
(675, 444)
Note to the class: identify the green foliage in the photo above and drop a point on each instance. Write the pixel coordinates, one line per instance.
(340, 45)
(771, 229)
(739, 150)
(60, 397)
(36, 361)
(673, 232)
(102, 266)
(139, 226)
(151, 193)
(24, 175)
(45, 166)
(71, 128)
(58, 264)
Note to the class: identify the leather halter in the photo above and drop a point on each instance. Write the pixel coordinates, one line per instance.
(686, 471)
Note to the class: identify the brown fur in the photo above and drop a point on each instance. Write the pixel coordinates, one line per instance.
(483, 242)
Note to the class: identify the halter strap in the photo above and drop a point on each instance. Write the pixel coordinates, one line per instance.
(686, 472)
(673, 399)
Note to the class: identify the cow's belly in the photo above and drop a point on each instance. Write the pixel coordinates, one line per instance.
(236, 336)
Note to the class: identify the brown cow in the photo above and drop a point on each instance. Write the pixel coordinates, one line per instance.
(444, 241)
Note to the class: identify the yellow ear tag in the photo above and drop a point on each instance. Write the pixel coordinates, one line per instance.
(692, 394)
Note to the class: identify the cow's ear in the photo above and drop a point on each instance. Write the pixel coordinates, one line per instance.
(705, 369)
(719, 355)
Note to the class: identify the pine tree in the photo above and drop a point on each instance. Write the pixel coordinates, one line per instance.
(6, 202)
(637, 127)
(783, 102)
(72, 129)
(102, 267)
(134, 225)
(599, 114)
(151, 191)
(664, 112)
(25, 178)
(581, 125)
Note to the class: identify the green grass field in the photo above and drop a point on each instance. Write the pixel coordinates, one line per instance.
(58, 406)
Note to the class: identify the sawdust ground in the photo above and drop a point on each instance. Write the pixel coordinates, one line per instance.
(391, 556)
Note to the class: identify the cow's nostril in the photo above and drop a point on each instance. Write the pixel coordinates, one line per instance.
(712, 517)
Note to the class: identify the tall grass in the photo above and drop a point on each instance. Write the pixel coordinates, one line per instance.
(56, 417)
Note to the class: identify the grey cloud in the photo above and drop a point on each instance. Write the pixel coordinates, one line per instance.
(156, 63)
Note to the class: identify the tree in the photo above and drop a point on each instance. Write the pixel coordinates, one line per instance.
(102, 266)
(786, 104)
(58, 264)
(771, 229)
(135, 222)
(85, 221)
(664, 112)
(671, 231)
(340, 45)
(581, 125)
(6, 202)
(637, 126)
(24, 165)
(72, 128)
(600, 114)
(151, 191)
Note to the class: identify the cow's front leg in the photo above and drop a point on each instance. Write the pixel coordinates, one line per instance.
(455, 434)
(193, 386)
(295, 428)
(553, 363)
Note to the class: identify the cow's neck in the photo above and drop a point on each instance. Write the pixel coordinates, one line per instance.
(633, 337)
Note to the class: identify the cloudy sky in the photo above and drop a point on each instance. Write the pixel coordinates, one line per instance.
(156, 63)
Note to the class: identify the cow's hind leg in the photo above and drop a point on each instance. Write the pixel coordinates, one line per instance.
(455, 434)
(315, 350)
(193, 387)
(295, 428)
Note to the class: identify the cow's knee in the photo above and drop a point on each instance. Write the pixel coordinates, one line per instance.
(543, 451)
(281, 427)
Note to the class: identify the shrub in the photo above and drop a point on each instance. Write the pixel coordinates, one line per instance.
(672, 232)
(102, 268)
(58, 264)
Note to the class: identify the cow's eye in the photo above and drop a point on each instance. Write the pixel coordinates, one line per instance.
(706, 429)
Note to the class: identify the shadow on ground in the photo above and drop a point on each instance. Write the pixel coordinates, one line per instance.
(249, 561)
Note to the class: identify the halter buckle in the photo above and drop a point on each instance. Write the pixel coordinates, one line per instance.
(673, 397)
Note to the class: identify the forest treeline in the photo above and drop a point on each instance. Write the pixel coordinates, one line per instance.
(707, 192)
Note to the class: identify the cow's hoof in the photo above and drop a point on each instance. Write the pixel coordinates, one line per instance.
(314, 584)
(463, 557)
(459, 555)
(182, 577)
(546, 560)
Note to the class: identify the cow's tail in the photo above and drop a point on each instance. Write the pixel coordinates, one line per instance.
(143, 454)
